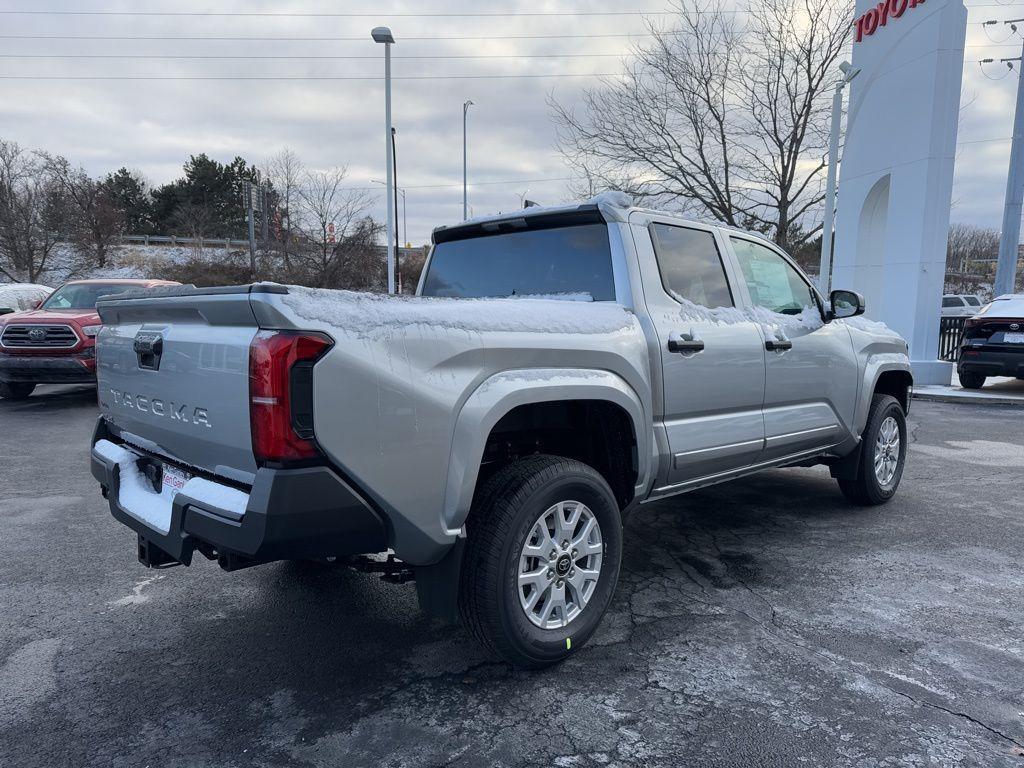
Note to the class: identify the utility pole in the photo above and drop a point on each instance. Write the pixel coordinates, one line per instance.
(465, 196)
(265, 214)
(398, 246)
(1006, 267)
(252, 229)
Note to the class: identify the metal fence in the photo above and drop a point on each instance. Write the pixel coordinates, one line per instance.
(195, 242)
(950, 331)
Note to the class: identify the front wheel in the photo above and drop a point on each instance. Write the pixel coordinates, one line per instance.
(883, 453)
(543, 549)
(15, 390)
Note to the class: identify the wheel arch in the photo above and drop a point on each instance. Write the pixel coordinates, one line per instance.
(506, 394)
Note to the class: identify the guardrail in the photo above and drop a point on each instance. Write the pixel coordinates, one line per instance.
(200, 242)
(951, 329)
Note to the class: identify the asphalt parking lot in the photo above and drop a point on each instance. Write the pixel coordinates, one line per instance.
(765, 622)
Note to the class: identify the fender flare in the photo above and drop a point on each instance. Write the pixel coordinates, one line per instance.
(877, 365)
(499, 394)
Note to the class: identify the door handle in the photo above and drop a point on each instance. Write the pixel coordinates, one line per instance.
(684, 344)
(778, 345)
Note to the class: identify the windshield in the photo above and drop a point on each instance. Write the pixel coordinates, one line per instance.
(81, 295)
(553, 262)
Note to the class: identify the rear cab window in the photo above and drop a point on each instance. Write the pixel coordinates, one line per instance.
(690, 265)
(559, 258)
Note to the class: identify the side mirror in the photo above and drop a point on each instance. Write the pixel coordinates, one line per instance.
(846, 304)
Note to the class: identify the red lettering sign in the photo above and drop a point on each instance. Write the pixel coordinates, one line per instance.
(873, 18)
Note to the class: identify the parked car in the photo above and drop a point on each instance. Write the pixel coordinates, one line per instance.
(960, 305)
(55, 343)
(493, 445)
(993, 342)
(15, 297)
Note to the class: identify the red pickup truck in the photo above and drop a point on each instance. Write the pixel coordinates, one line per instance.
(56, 342)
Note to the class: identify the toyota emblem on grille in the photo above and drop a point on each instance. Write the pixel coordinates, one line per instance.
(1014, 326)
(37, 334)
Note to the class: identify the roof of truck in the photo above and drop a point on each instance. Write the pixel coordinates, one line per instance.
(611, 206)
(121, 281)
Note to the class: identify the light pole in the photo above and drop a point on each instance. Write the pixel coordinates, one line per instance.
(465, 197)
(1009, 239)
(825, 273)
(383, 35)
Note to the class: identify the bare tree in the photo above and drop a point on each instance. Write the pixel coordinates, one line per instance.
(33, 214)
(971, 254)
(718, 117)
(285, 171)
(333, 223)
(95, 219)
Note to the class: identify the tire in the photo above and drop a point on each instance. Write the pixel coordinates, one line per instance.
(15, 390)
(506, 517)
(970, 380)
(868, 488)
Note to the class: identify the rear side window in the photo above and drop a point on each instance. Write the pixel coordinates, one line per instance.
(951, 301)
(561, 260)
(690, 265)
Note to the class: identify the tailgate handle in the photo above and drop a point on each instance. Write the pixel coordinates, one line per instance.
(148, 348)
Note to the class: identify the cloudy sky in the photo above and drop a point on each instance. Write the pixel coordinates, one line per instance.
(153, 125)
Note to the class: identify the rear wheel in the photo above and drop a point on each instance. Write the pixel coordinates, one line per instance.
(969, 380)
(882, 455)
(15, 390)
(542, 559)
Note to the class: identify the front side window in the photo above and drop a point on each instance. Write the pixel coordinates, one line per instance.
(972, 300)
(772, 281)
(81, 295)
(690, 265)
(951, 301)
(567, 260)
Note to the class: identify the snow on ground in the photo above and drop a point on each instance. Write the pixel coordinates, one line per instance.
(369, 313)
(127, 262)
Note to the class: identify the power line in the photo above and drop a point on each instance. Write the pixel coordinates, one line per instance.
(304, 57)
(332, 15)
(302, 77)
(361, 38)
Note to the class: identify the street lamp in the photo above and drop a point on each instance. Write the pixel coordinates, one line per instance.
(465, 198)
(825, 273)
(383, 35)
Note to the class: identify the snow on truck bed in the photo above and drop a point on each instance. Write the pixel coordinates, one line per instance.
(370, 313)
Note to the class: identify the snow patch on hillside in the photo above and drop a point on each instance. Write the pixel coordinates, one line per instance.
(368, 314)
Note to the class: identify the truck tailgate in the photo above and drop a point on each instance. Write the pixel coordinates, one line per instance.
(173, 376)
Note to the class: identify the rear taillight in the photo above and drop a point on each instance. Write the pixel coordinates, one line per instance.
(281, 394)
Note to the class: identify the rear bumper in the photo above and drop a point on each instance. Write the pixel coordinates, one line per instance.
(291, 514)
(990, 361)
(43, 369)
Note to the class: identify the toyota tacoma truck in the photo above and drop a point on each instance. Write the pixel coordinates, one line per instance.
(54, 343)
(557, 368)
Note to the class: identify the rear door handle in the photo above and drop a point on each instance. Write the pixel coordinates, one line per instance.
(685, 345)
(778, 345)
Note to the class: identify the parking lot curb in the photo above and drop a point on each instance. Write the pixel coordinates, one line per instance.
(944, 397)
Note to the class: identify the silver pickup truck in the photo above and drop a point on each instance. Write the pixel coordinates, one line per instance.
(557, 368)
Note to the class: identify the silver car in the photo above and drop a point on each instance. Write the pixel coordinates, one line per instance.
(557, 368)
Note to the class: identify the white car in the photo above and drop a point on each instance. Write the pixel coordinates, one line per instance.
(960, 305)
(17, 297)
